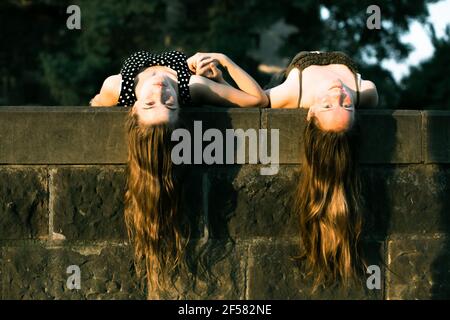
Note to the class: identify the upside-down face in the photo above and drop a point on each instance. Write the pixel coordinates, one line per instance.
(333, 106)
(157, 100)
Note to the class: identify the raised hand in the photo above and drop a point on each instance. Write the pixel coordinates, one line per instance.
(206, 65)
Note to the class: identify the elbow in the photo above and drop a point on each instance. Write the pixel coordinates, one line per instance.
(265, 101)
(94, 101)
(261, 101)
(98, 101)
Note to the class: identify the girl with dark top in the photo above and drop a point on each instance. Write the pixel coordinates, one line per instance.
(327, 199)
(155, 87)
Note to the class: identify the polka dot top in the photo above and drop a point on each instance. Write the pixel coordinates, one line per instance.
(138, 61)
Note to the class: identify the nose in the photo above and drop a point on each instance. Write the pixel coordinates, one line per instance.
(339, 97)
(159, 93)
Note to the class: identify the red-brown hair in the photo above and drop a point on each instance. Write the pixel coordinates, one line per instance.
(328, 204)
(152, 203)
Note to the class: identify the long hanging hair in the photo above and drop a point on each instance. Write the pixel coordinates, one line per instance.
(328, 205)
(152, 203)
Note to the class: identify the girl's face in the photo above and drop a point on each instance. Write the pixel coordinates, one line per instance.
(333, 106)
(157, 100)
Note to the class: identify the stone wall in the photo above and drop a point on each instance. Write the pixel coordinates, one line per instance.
(62, 178)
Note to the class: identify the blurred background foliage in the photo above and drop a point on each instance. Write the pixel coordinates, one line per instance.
(44, 63)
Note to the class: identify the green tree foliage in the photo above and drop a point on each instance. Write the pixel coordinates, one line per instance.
(45, 63)
(427, 86)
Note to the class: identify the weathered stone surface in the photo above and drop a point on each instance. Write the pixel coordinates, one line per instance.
(194, 200)
(290, 123)
(36, 272)
(62, 135)
(216, 270)
(23, 202)
(97, 135)
(419, 268)
(273, 274)
(400, 199)
(33, 271)
(88, 202)
(437, 136)
(242, 218)
(1, 275)
(243, 204)
(223, 119)
(386, 136)
(389, 136)
(410, 199)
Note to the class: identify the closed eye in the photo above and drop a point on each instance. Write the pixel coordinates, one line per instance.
(171, 106)
(149, 104)
(170, 103)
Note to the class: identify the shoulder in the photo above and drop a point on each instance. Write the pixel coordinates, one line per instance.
(369, 94)
(368, 85)
(109, 92)
(112, 83)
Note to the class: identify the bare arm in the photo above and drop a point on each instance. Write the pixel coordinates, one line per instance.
(109, 93)
(220, 92)
(206, 91)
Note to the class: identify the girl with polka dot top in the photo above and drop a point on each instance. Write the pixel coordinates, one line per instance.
(157, 85)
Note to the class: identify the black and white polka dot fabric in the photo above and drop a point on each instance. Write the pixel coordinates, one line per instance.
(175, 60)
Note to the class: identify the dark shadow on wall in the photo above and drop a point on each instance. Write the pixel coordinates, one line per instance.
(437, 124)
(208, 199)
(378, 143)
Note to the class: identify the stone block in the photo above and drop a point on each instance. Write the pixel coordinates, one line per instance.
(290, 123)
(436, 136)
(274, 274)
(222, 119)
(386, 136)
(406, 200)
(23, 203)
(419, 268)
(216, 271)
(243, 204)
(88, 202)
(34, 272)
(62, 135)
(389, 136)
